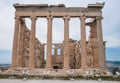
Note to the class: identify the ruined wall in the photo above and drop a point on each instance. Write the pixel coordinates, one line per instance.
(74, 57)
(26, 47)
(57, 58)
(90, 54)
(92, 47)
(39, 54)
(39, 51)
(78, 55)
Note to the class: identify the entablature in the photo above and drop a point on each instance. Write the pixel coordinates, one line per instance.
(57, 8)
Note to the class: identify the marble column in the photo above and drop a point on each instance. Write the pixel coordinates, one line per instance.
(66, 43)
(49, 44)
(101, 53)
(20, 44)
(83, 43)
(55, 51)
(15, 43)
(94, 41)
(32, 43)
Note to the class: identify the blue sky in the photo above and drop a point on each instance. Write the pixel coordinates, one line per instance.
(110, 24)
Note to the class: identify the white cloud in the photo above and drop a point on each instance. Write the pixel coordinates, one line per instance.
(112, 41)
(6, 26)
(110, 22)
(41, 29)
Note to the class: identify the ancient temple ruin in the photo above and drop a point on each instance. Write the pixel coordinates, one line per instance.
(28, 51)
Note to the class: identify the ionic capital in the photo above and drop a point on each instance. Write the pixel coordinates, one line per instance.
(66, 17)
(33, 18)
(17, 17)
(22, 19)
(99, 18)
(83, 17)
(49, 16)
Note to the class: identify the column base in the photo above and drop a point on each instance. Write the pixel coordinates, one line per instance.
(66, 67)
(31, 66)
(12, 67)
(84, 68)
(48, 67)
(102, 68)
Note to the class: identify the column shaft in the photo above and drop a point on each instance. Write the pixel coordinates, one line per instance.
(101, 50)
(55, 51)
(93, 39)
(20, 46)
(66, 43)
(83, 43)
(49, 44)
(15, 43)
(32, 43)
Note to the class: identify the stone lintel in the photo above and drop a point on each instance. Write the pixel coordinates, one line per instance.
(53, 43)
(37, 5)
(97, 5)
(29, 5)
(56, 8)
